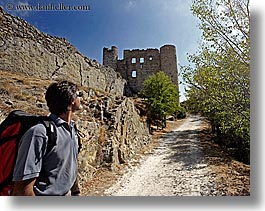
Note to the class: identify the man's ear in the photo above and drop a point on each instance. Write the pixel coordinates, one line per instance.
(70, 106)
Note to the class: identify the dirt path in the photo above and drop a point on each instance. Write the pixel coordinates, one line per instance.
(176, 168)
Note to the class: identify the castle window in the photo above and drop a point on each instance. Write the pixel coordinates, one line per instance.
(150, 58)
(141, 60)
(134, 74)
(133, 60)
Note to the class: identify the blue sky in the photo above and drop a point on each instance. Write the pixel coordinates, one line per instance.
(128, 24)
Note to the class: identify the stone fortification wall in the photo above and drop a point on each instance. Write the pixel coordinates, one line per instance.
(23, 48)
(110, 57)
(169, 62)
(138, 65)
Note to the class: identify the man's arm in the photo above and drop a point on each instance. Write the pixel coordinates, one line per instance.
(24, 188)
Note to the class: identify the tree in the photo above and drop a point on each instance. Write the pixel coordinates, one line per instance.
(161, 98)
(219, 82)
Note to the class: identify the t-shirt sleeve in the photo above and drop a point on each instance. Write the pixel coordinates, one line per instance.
(31, 150)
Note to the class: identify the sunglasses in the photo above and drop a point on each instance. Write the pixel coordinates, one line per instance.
(79, 94)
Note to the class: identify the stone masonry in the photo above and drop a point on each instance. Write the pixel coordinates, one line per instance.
(138, 65)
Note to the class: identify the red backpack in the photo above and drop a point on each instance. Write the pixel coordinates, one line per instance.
(11, 131)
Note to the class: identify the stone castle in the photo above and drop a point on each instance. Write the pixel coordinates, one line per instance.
(138, 65)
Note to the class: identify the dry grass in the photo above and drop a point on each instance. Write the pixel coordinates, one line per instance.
(19, 91)
(231, 177)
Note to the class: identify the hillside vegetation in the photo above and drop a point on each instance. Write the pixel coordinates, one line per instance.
(219, 80)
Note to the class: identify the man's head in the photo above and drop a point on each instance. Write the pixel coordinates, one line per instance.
(62, 97)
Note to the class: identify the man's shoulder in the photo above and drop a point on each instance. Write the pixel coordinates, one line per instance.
(38, 130)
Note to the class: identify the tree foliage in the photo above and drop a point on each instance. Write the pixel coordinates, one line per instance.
(219, 82)
(161, 98)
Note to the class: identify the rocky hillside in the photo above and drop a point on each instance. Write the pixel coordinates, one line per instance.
(23, 48)
(30, 60)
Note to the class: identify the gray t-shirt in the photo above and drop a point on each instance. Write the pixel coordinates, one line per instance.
(56, 171)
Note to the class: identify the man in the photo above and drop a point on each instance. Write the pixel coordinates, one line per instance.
(54, 173)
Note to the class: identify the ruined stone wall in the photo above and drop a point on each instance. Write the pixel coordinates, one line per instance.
(168, 60)
(23, 48)
(110, 57)
(138, 65)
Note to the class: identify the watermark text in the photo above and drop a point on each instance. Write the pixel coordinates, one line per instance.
(46, 7)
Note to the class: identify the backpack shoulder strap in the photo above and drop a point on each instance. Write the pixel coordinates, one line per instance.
(79, 136)
(51, 133)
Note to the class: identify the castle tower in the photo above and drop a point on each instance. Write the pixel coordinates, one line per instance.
(110, 57)
(168, 61)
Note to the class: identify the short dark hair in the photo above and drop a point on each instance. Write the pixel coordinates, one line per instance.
(59, 96)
